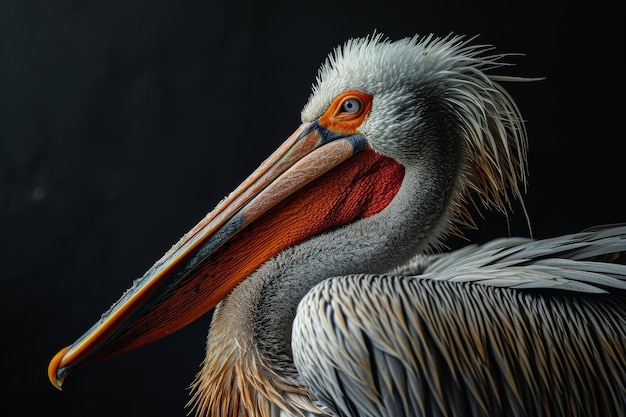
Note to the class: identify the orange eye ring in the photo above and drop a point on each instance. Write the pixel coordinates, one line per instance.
(347, 112)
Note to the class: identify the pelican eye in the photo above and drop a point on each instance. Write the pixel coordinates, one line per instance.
(346, 113)
(351, 105)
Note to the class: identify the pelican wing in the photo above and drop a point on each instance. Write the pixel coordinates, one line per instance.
(568, 262)
(481, 332)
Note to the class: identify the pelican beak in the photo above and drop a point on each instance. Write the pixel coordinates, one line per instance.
(283, 202)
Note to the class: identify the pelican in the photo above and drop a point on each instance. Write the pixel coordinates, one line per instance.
(326, 270)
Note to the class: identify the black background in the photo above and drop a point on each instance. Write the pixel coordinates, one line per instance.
(123, 122)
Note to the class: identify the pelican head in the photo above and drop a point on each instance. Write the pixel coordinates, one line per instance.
(428, 94)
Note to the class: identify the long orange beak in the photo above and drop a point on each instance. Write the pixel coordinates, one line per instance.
(311, 184)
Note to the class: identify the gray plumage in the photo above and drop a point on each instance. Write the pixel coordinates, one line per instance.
(515, 327)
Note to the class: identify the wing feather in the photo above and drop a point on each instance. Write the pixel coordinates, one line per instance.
(514, 327)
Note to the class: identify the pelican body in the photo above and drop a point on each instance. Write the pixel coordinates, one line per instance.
(330, 291)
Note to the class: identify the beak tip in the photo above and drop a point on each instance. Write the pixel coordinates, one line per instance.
(56, 372)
